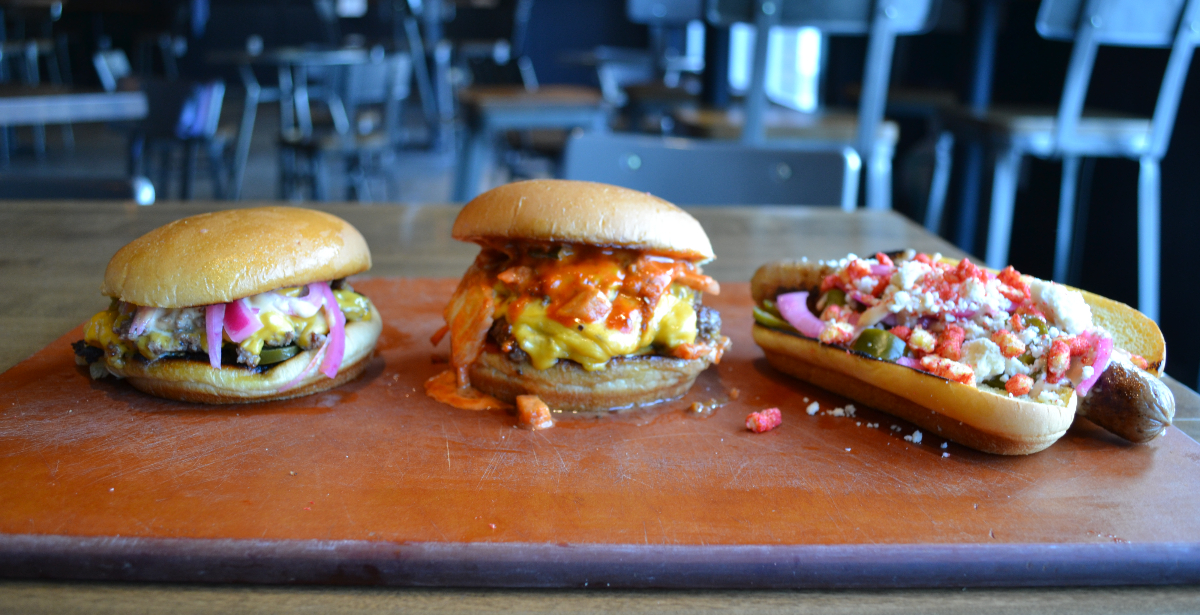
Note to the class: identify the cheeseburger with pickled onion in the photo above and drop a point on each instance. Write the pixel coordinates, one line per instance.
(586, 295)
(235, 306)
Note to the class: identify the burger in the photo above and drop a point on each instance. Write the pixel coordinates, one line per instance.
(587, 295)
(235, 306)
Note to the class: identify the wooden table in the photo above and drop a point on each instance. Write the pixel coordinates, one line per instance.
(53, 258)
(35, 105)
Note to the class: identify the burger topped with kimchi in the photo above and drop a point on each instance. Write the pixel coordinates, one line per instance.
(586, 295)
(235, 306)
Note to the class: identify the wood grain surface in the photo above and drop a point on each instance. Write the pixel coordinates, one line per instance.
(376, 483)
(52, 256)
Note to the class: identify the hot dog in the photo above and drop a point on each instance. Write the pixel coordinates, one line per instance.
(997, 361)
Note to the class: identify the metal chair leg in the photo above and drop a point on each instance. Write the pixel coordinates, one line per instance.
(943, 158)
(1149, 222)
(191, 151)
(1004, 195)
(1066, 218)
(879, 178)
(471, 165)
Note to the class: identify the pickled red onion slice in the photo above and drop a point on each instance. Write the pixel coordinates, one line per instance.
(1104, 350)
(240, 321)
(308, 369)
(794, 309)
(336, 342)
(214, 318)
(142, 319)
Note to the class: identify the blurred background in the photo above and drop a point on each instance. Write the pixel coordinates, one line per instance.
(1059, 136)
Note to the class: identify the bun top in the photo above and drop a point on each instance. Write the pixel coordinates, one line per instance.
(226, 255)
(583, 212)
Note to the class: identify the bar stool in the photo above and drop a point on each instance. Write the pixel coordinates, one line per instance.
(1074, 133)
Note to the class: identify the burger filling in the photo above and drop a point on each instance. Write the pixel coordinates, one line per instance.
(1003, 332)
(256, 331)
(542, 303)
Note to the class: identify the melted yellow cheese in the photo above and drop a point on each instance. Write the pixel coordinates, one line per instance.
(99, 333)
(546, 340)
(276, 327)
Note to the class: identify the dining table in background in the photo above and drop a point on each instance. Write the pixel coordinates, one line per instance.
(292, 92)
(52, 259)
(40, 105)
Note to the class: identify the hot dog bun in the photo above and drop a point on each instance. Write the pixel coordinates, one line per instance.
(971, 416)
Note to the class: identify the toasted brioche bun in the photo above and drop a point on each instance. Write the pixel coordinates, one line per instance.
(973, 417)
(190, 380)
(226, 255)
(624, 381)
(582, 212)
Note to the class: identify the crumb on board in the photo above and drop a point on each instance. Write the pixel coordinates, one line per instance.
(812, 408)
(735, 393)
(764, 420)
(533, 413)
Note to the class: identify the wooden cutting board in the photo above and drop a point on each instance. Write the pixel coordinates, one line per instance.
(376, 483)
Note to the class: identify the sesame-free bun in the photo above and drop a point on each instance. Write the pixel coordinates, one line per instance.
(567, 211)
(221, 256)
(192, 380)
(624, 382)
(972, 417)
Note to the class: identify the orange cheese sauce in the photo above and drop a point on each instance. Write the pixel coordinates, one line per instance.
(444, 388)
(585, 284)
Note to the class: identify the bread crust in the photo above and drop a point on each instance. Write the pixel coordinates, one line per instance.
(226, 255)
(195, 381)
(623, 383)
(582, 212)
(979, 419)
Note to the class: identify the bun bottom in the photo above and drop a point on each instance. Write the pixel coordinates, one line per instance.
(196, 381)
(979, 419)
(623, 383)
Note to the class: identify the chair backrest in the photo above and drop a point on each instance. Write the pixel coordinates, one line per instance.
(25, 187)
(182, 110)
(708, 172)
(880, 20)
(849, 17)
(664, 12)
(112, 65)
(1126, 23)
(383, 81)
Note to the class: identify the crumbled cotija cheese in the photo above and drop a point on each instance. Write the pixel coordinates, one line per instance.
(1066, 306)
(983, 355)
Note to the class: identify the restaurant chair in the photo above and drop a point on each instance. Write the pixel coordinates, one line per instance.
(648, 103)
(713, 172)
(491, 111)
(372, 93)
(28, 56)
(182, 116)
(1073, 132)
(112, 68)
(26, 187)
(866, 131)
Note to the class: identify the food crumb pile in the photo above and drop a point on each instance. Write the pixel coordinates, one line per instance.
(764, 420)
